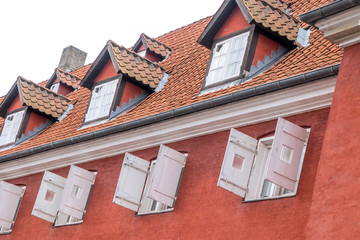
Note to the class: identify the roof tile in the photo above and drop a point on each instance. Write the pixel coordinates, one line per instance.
(155, 46)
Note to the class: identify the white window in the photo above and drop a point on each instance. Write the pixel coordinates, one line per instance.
(11, 128)
(10, 199)
(227, 59)
(101, 100)
(142, 53)
(268, 168)
(64, 201)
(55, 87)
(153, 189)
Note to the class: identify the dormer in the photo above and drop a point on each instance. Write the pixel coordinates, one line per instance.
(246, 37)
(119, 79)
(27, 109)
(151, 49)
(62, 82)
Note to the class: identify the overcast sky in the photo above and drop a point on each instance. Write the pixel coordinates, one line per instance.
(34, 33)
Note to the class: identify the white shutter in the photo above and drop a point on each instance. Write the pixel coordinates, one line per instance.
(236, 55)
(108, 96)
(49, 196)
(286, 152)
(167, 173)
(76, 192)
(10, 198)
(237, 163)
(11, 127)
(131, 182)
(94, 103)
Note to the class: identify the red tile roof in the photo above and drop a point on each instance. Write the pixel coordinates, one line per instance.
(41, 99)
(266, 13)
(186, 65)
(137, 67)
(68, 79)
(155, 46)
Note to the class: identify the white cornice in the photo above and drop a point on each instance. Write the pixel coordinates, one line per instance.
(342, 28)
(282, 103)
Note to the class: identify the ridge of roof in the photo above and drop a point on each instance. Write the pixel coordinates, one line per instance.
(41, 99)
(137, 67)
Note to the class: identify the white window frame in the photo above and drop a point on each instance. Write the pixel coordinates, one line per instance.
(55, 87)
(211, 80)
(11, 129)
(4, 230)
(260, 169)
(98, 107)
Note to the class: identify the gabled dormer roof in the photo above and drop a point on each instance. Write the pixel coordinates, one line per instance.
(268, 14)
(35, 97)
(152, 45)
(128, 63)
(64, 77)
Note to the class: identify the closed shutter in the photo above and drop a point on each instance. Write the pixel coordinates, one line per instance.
(94, 103)
(108, 96)
(131, 182)
(49, 196)
(76, 192)
(10, 198)
(286, 154)
(237, 163)
(236, 55)
(218, 62)
(167, 173)
(11, 127)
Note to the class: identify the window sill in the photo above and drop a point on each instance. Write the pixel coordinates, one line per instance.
(155, 212)
(68, 224)
(270, 198)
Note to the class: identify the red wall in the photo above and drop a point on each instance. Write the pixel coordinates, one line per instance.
(235, 22)
(64, 89)
(130, 91)
(336, 201)
(202, 210)
(264, 47)
(152, 56)
(16, 104)
(107, 71)
(34, 121)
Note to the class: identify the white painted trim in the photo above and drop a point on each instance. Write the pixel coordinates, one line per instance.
(282, 103)
(342, 28)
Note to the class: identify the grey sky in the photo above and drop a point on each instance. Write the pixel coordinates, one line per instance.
(34, 33)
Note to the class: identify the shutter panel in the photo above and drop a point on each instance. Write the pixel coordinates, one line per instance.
(167, 173)
(94, 103)
(286, 154)
(76, 192)
(11, 127)
(131, 182)
(108, 96)
(10, 197)
(49, 196)
(237, 163)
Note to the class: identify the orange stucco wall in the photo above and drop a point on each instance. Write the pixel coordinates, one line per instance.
(202, 210)
(335, 211)
(130, 91)
(107, 71)
(264, 47)
(16, 104)
(235, 22)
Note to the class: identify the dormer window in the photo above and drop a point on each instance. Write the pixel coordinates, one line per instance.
(55, 87)
(102, 99)
(142, 53)
(227, 59)
(11, 128)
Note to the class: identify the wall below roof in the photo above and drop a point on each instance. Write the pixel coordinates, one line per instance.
(235, 22)
(64, 89)
(34, 121)
(264, 48)
(202, 210)
(130, 91)
(107, 71)
(16, 104)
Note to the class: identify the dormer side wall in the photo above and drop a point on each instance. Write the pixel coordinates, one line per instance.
(106, 72)
(236, 21)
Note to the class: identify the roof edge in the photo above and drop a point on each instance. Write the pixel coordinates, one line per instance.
(332, 8)
(195, 107)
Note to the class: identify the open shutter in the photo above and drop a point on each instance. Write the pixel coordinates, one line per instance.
(76, 192)
(286, 154)
(167, 173)
(49, 196)
(10, 197)
(131, 182)
(237, 163)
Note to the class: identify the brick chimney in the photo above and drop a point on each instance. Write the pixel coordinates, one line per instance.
(72, 58)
